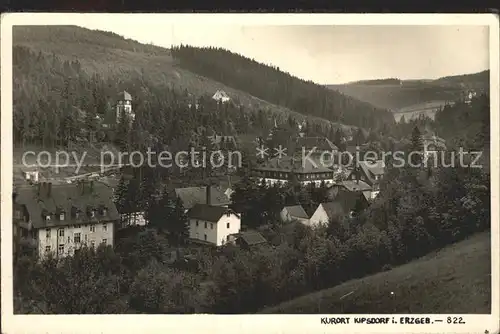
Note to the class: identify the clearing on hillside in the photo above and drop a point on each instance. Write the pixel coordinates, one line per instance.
(454, 280)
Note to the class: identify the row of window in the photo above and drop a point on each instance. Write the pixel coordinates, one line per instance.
(211, 225)
(77, 215)
(92, 228)
(60, 248)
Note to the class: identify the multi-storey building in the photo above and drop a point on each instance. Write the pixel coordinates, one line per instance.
(60, 219)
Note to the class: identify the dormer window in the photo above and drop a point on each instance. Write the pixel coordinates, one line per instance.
(47, 217)
(92, 213)
(61, 216)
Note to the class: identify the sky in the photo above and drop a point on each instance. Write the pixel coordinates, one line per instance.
(328, 54)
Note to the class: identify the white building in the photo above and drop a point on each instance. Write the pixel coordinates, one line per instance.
(221, 96)
(124, 105)
(31, 175)
(60, 219)
(213, 224)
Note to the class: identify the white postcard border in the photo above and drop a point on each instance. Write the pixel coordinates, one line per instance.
(240, 323)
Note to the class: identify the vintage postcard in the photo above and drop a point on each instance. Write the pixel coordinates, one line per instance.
(283, 173)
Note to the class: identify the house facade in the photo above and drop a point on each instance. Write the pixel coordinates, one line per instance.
(213, 224)
(31, 175)
(288, 168)
(60, 219)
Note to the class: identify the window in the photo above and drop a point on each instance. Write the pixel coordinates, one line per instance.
(47, 217)
(77, 238)
(69, 239)
(92, 228)
(47, 233)
(61, 249)
(205, 237)
(61, 232)
(211, 226)
(92, 244)
(92, 213)
(205, 224)
(47, 249)
(227, 225)
(197, 223)
(61, 216)
(104, 227)
(104, 242)
(104, 211)
(85, 238)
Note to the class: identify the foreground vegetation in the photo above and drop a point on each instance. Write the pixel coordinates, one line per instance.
(456, 279)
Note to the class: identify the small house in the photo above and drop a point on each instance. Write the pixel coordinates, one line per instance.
(221, 96)
(212, 224)
(250, 239)
(294, 213)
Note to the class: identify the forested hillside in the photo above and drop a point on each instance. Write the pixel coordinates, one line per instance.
(64, 76)
(278, 87)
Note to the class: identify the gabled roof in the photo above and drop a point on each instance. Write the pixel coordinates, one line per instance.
(321, 144)
(65, 197)
(344, 202)
(219, 94)
(333, 209)
(208, 212)
(125, 96)
(355, 185)
(296, 211)
(375, 167)
(198, 195)
(252, 238)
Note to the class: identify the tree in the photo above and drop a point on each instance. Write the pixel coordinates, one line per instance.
(416, 147)
(178, 224)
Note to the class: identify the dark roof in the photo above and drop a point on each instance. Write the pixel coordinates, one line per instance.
(66, 198)
(198, 195)
(252, 238)
(345, 202)
(208, 212)
(296, 211)
(355, 185)
(321, 144)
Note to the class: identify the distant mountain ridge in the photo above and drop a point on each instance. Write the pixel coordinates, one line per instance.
(398, 95)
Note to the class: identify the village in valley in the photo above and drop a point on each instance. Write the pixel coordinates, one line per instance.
(295, 202)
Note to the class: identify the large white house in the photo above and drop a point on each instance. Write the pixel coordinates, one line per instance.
(213, 224)
(60, 219)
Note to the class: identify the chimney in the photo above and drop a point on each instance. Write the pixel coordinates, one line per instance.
(49, 189)
(209, 191)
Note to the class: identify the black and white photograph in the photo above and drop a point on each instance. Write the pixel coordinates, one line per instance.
(167, 165)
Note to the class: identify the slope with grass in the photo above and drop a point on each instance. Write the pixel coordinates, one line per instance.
(456, 279)
(414, 96)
